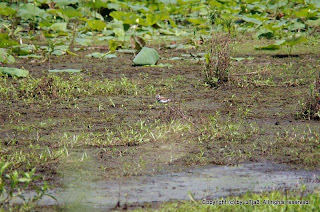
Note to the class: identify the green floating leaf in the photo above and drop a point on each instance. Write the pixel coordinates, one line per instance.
(238, 58)
(14, 72)
(161, 65)
(83, 41)
(241, 58)
(176, 58)
(147, 56)
(108, 56)
(101, 55)
(64, 70)
(31, 56)
(127, 51)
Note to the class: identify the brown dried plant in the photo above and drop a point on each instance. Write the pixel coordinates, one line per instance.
(218, 60)
(312, 110)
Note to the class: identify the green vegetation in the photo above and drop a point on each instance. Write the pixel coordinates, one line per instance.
(68, 81)
(273, 201)
(19, 183)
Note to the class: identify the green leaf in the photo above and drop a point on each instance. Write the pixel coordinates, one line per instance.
(83, 41)
(6, 41)
(24, 180)
(147, 56)
(64, 70)
(29, 11)
(127, 51)
(23, 49)
(96, 4)
(274, 46)
(5, 10)
(96, 24)
(176, 58)
(119, 33)
(296, 26)
(65, 2)
(295, 40)
(14, 72)
(126, 17)
(152, 19)
(268, 47)
(251, 20)
(57, 27)
(264, 33)
(5, 57)
(161, 65)
(113, 45)
(3, 167)
(197, 21)
(306, 13)
(101, 55)
(238, 58)
(70, 12)
(31, 56)
(313, 23)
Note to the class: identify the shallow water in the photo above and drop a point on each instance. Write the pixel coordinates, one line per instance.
(210, 181)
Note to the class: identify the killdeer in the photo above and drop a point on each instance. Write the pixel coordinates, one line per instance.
(162, 99)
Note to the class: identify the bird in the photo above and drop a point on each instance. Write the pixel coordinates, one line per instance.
(162, 99)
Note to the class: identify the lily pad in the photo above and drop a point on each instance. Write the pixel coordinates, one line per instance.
(176, 58)
(162, 65)
(64, 70)
(147, 56)
(127, 51)
(101, 55)
(14, 72)
(31, 56)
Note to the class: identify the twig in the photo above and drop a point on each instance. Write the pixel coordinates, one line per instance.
(250, 73)
(180, 113)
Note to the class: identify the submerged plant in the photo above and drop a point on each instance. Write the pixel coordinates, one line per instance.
(217, 60)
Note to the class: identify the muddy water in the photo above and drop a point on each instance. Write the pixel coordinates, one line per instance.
(211, 181)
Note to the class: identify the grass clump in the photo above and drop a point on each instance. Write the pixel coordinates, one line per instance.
(13, 186)
(217, 66)
(130, 134)
(51, 87)
(312, 106)
(268, 201)
(297, 148)
(33, 156)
